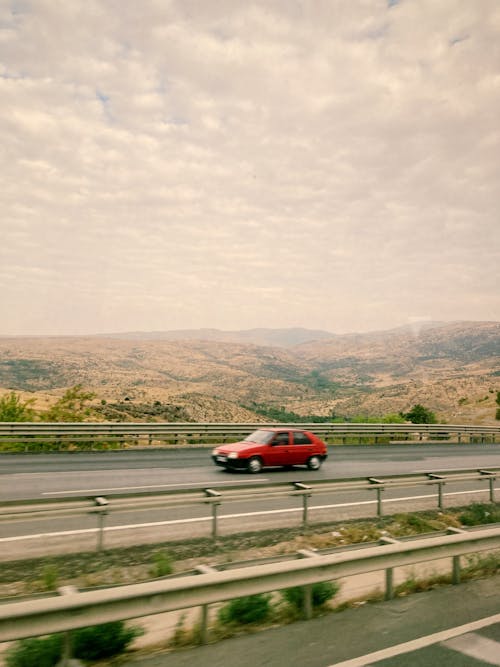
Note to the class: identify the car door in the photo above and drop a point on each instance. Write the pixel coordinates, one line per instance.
(302, 447)
(278, 451)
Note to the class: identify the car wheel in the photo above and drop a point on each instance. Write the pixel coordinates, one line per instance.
(254, 465)
(314, 463)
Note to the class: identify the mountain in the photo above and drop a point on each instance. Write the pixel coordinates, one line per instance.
(210, 375)
(262, 336)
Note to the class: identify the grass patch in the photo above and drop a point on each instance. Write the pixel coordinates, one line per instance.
(413, 585)
(481, 565)
(480, 513)
(184, 636)
(162, 565)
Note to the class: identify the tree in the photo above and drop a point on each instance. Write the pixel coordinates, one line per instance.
(71, 407)
(498, 403)
(420, 415)
(13, 409)
(391, 418)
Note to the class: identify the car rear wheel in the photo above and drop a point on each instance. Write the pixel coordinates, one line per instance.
(254, 465)
(314, 463)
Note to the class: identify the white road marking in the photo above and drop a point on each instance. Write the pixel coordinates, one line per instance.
(448, 469)
(415, 644)
(83, 531)
(475, 646)
(78, 473)
(450, 493)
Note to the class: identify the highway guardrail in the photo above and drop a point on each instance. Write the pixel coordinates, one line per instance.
(75, 609)
(33, 436)
(102, 506)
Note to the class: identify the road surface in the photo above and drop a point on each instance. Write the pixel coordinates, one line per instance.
(62, 475)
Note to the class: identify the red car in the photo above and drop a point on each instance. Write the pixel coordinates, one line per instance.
(272, 447)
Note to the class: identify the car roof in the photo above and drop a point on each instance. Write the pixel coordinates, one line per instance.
(281, 428)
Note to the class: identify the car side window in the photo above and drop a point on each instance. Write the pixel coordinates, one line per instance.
(301, 439)
(281, 439)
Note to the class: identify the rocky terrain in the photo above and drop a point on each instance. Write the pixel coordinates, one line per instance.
(451, 368)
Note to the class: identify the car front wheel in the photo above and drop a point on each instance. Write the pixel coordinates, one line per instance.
(254, 465)
(314, 463)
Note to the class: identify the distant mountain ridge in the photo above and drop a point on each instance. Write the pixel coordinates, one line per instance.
(211, 375)
(258, 336)
(286, 337)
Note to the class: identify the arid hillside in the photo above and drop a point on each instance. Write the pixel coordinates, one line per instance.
(453, 369)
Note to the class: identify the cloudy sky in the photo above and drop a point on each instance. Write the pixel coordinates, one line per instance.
(172, 164)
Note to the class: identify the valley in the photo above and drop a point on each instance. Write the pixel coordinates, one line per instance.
(451, 368)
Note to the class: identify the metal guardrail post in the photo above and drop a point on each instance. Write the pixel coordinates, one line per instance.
(379, 489)
(101, 511)
(308, 605)
(440, 495)
(389, 583)
(67, 659)
(211, 493)
(455, 561)
(204, 617)
(305, 501)
(204, 624)
(440, 484)
(308, 589)
(389, 571)
(490, 476)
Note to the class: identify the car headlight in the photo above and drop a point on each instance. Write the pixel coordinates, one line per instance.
(232, 455)
(215, 451)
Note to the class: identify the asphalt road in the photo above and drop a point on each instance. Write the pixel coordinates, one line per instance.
(86, 473)
(57, 476)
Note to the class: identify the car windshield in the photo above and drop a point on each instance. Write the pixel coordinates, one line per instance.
(260, 437)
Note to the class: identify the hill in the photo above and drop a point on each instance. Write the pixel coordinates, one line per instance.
(262, 336)
(209, 375)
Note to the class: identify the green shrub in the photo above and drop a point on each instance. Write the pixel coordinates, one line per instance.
(321, 593)
(103, 641)
(44, 652)
(93, 643)
(420, 415)
(14, 409)
(162, 565)
(50, 578)
(480, 513)
(245, 610)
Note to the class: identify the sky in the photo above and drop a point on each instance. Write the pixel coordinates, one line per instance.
(171, 164)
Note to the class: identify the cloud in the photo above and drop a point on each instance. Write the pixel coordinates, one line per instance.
(233, 161)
